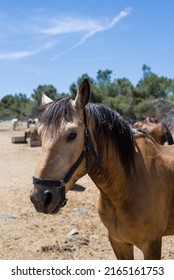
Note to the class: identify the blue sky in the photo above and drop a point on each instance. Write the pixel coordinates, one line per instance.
(55, 42)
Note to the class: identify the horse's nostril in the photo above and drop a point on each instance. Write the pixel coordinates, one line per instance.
(48, 197)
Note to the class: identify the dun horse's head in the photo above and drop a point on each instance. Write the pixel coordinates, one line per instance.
(64, 148)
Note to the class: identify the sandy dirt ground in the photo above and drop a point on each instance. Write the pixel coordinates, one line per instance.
(26, 234)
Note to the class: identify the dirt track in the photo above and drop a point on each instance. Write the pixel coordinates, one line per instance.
(26, 234)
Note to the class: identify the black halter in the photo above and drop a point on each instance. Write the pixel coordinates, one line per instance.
(88, 147)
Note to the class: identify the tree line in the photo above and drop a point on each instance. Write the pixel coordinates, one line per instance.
(132, 102)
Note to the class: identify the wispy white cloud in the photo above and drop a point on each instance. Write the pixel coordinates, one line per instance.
(89, 27)
(30, 39)
(103, 28)
(70, 25)
(14, 55)
(58, 56)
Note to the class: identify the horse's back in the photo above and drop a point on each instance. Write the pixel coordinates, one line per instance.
(150, 148)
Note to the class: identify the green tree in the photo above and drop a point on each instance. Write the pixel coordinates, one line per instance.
(12, 106)
(146, 71)
(151, 87)
(122, 87)
(104, 77)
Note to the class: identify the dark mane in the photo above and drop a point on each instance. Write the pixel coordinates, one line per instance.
(57, 110)
(110, 126)
(169, 136)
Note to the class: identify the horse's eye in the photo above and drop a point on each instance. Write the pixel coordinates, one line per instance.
(71, 136)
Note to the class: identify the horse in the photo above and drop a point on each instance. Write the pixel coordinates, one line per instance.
(31, 133)
(133, 173)
(159, 131)
(14, 123)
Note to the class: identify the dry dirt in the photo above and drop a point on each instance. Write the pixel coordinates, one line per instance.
(26, 234)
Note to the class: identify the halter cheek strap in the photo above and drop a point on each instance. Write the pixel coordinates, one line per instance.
(60, 184)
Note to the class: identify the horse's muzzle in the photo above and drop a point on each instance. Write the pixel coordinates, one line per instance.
(46, 200)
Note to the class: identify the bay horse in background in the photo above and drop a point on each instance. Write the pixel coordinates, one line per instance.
(134, 175)
(159, 131)
(31, 133)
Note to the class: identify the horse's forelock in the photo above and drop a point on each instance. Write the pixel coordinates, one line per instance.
(56, 112)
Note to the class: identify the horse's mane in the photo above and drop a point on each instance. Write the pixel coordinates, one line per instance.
(53, 113)
(169, 136)
(109, 126)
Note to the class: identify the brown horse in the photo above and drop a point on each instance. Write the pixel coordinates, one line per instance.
(135, 175)
(159, 131)
(32, 133)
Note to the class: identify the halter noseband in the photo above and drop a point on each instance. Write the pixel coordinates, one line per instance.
(60, 184)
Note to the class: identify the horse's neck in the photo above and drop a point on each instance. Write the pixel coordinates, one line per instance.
(109, 177)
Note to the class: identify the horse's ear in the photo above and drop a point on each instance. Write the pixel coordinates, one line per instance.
(83, 94)
(46, 99)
